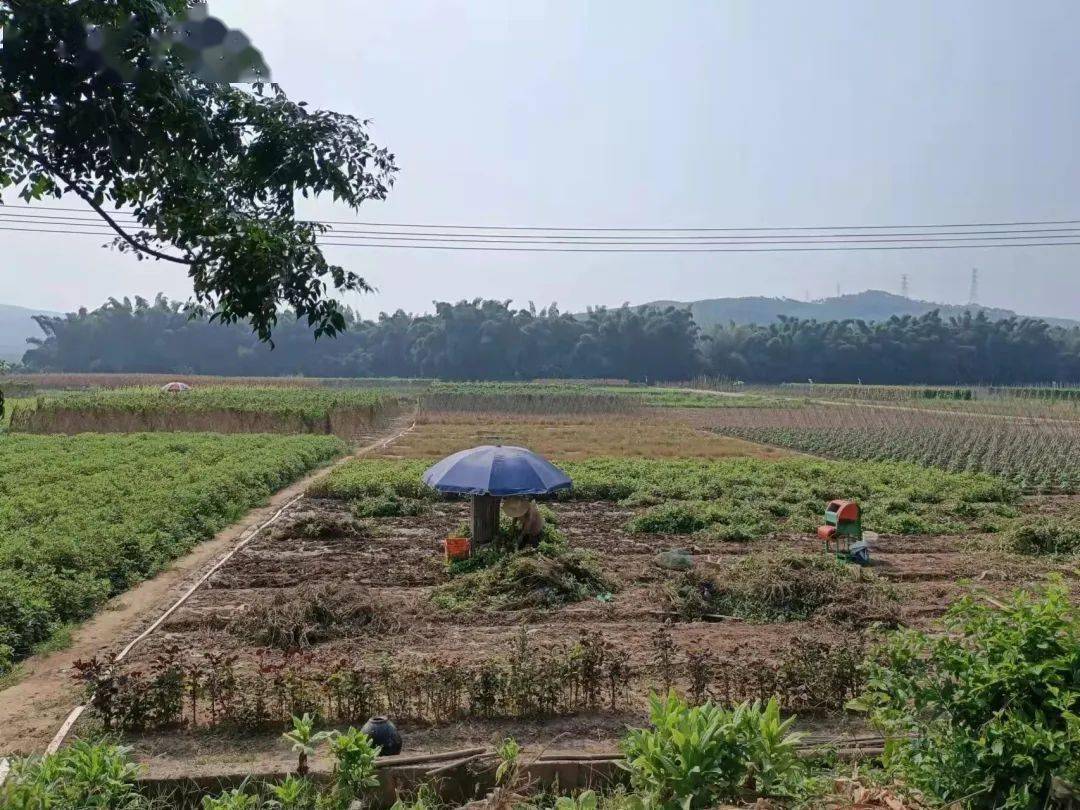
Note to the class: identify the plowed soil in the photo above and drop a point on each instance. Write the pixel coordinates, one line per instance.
(399, 561)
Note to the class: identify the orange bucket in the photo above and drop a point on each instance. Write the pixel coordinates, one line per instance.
(457, 548)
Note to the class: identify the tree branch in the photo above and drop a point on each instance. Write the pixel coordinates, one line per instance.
(88, 198)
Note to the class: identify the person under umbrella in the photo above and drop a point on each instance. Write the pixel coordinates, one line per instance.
(493, 472)
(529, 521)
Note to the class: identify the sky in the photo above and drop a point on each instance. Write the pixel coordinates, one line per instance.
(709, 113)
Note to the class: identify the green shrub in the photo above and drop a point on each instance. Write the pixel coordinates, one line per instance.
(82, 775)
(702, 755)
(26, 615)
(354, 765)
(1048, 535)
(83, 517)
(235, 799)
(988, 711)
(388, 504)
(292, 793)
(675, 517)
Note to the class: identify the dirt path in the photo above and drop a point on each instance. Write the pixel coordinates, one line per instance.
(32, 709)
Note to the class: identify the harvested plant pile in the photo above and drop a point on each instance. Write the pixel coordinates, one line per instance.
(740, 498)
(1051, 534)
(296, 619)
(1036, 453)
(526, 579)
(223, 409)
(85, 517)
(783, 586)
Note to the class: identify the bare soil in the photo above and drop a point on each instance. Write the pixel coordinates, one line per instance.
(399, 561)
(650, 433)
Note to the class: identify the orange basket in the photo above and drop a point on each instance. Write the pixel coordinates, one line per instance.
(457, 548)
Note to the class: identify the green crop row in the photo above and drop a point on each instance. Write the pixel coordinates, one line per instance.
(877, 393)
(346, 412)
(574, 397)
(1040, 392)
(305, 403)
(85, 517)
(741, 498)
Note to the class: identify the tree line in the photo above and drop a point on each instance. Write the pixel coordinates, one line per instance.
(492, 340)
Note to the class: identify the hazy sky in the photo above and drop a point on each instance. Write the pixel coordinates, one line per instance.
(676, 114)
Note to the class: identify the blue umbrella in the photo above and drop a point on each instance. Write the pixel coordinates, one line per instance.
(497, 470)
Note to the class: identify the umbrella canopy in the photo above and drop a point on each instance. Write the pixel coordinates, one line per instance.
(174, 387)
(499, 470)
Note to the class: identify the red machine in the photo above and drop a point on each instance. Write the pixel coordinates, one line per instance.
(843, 533)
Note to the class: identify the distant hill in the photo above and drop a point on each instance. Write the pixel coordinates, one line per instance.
(15, 328)
(872, 305)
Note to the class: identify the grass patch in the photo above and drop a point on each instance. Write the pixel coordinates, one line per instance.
(786, 587)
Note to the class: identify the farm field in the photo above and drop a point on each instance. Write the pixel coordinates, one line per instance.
(453, 677)
(22, 384)
(569, 397)
(226, 409)
(1037, 454)
(83, 518)
(573, 436)
(347, 609)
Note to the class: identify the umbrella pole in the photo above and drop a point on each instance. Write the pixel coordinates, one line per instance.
(485, 519)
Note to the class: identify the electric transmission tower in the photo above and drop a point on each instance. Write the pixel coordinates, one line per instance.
(904, 285)
(973, 292)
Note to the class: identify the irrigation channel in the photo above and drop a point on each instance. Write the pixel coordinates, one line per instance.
(293, 495)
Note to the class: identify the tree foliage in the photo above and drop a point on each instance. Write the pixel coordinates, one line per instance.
(902, 349)
(113, 101)
(467, 340)
(491, 340)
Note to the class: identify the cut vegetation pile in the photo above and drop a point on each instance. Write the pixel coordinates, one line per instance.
(526, 579)
(784, 586)
(85, 517)
(503, 576)
(222, 409)
(296, 619)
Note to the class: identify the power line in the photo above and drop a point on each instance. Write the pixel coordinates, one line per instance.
(487, 246)
(637, 229)
(804, 238)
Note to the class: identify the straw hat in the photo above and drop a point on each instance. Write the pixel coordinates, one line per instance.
(515, 506)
